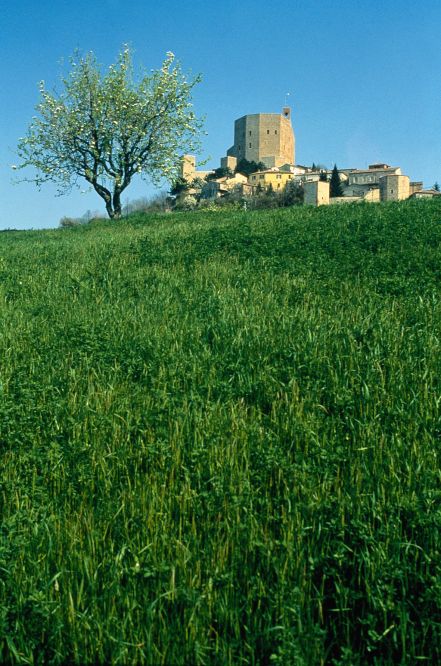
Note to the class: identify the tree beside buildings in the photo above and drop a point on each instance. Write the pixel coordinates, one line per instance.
(335, 187)
(247, 167)
(108, 128)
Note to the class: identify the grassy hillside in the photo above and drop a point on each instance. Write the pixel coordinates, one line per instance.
(219, 439)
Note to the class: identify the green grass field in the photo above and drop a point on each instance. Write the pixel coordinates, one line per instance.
(220, 437)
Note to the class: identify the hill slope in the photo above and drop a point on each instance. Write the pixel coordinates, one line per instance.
(220, 439)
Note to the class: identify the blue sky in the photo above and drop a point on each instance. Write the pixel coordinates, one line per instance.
(364, 78)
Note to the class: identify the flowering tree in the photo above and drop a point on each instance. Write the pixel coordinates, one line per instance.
(107, 128)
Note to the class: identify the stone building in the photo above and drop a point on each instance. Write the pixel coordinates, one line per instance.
(268, 138)
(373, 185)
(316, 193)
(360, 181)
(394, 187)
(188, 169)
(259, 137)
(379, 182)
(264, 137)
(425, 194)
(213, 189)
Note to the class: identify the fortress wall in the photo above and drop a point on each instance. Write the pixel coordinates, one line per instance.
(228, 162)
(269, 136)
(287, 142)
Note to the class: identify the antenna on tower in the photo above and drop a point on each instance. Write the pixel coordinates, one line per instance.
(286, 111)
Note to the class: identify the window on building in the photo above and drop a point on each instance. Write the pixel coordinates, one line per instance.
(250, 132)
(275, 131)
(278, 176)
(267, 131)
(261, 177)
(254, 177)
(391, 191)
(250, 145)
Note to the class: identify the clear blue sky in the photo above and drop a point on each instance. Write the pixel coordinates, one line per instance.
(364, 78)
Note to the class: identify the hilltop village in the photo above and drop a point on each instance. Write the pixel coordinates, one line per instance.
(267, 141)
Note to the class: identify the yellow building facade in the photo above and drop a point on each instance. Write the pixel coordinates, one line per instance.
(277, 179)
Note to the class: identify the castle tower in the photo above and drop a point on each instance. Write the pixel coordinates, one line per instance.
(316, 193)
(394, 187)
(264, 137)
(188, 167)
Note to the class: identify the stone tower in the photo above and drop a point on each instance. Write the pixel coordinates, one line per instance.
(264, 137)
(316, 193)
(394, 187)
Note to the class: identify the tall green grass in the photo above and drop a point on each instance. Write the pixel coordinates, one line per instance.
(220, 439)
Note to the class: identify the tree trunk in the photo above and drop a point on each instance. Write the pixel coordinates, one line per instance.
(104, 194)
(117, 204)
(109, 209)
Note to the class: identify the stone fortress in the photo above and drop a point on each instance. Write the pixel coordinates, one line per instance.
(268, 139)
(262, 137)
